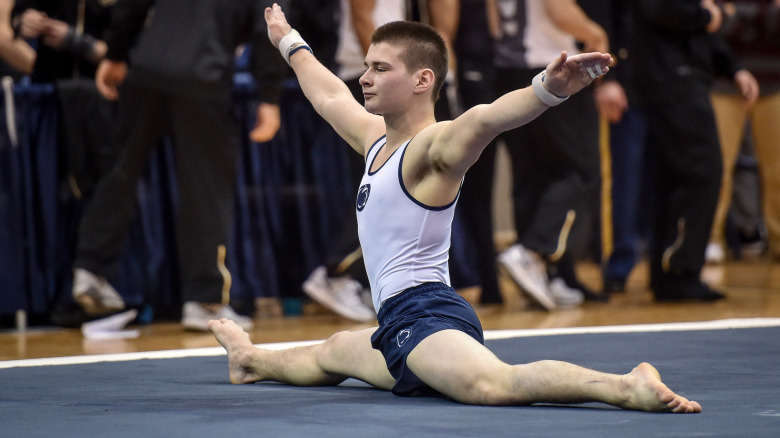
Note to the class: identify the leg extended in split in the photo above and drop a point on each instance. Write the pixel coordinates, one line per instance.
(456, 365)
(344, 355)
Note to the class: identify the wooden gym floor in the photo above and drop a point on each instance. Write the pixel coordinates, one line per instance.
(752, 286)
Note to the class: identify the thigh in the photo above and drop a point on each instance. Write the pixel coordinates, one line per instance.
(764, 120)
(730, 115)
(141, 123)
(684, 137)
(456, 365)
(350, 354)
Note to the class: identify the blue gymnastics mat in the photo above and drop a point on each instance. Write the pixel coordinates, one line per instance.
(733, 373)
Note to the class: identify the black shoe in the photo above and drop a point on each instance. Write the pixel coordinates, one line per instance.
(614, 286)
(595, 296)
(684, 291)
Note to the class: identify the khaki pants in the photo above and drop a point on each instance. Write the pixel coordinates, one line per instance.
(731, 115)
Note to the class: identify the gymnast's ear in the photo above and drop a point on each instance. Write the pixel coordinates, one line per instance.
(425, 80)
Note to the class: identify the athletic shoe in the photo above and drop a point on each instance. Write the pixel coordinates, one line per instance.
(196, 317)
(529, 271)
(94, 294)
(339, 294)
(714, 254)
(564, 295)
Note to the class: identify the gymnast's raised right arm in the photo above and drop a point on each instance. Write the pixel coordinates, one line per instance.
(327, 93)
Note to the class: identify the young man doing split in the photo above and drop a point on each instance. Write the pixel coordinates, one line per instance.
(428, 336)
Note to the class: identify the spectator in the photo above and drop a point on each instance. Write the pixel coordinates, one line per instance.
(555, 161)
(752, 29)
(677, 37)
(179, 81)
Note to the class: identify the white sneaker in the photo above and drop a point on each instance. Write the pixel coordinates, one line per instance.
(341, 295)
(714, 254)
(94, 294)
(197, 317)
(564, 295)
(529, 271)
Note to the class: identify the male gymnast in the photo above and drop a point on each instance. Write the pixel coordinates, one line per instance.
(428, 336)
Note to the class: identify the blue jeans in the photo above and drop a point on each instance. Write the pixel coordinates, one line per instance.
(630, 197)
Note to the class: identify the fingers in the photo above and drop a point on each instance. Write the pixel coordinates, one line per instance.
(262, 133)
(750, 91)
(105, 86)
(108, 77)
(592, 65)
(107, 91)
(594, 71)
(267, 123)
(277, 24)
(559, 61)
(273, 13)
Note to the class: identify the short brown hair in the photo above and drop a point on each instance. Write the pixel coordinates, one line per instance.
(423, 48)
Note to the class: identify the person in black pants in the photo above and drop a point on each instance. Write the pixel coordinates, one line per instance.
(179, 82)
(677, 38)
(555, 158)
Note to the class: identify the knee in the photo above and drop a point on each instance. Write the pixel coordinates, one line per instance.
(334, 341)
(329, 348)
(337, 338)
(488, 391)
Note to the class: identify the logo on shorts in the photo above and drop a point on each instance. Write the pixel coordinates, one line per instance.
(403, 336)
(362, 197)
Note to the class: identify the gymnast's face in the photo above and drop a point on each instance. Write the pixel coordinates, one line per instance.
(386, 82)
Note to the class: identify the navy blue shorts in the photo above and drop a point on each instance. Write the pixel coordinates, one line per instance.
(413, 315)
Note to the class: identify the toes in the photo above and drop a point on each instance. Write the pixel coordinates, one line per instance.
(674, 405)
(669, 398)
(684, 406)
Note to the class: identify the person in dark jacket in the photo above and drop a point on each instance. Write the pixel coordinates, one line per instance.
(680, 55)
(172, 63)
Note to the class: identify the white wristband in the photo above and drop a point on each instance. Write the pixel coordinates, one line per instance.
(543, 94)
(291, 43)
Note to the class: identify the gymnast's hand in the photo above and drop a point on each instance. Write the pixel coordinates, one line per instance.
(567, 75)
(277, 24)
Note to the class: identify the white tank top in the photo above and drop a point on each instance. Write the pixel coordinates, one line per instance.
(405, 243)
(349, 53)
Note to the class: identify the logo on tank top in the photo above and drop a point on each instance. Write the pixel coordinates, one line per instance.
(362, 197)
(403, 336)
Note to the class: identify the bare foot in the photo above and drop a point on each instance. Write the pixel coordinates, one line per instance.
(649, 393)
(239, 350)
